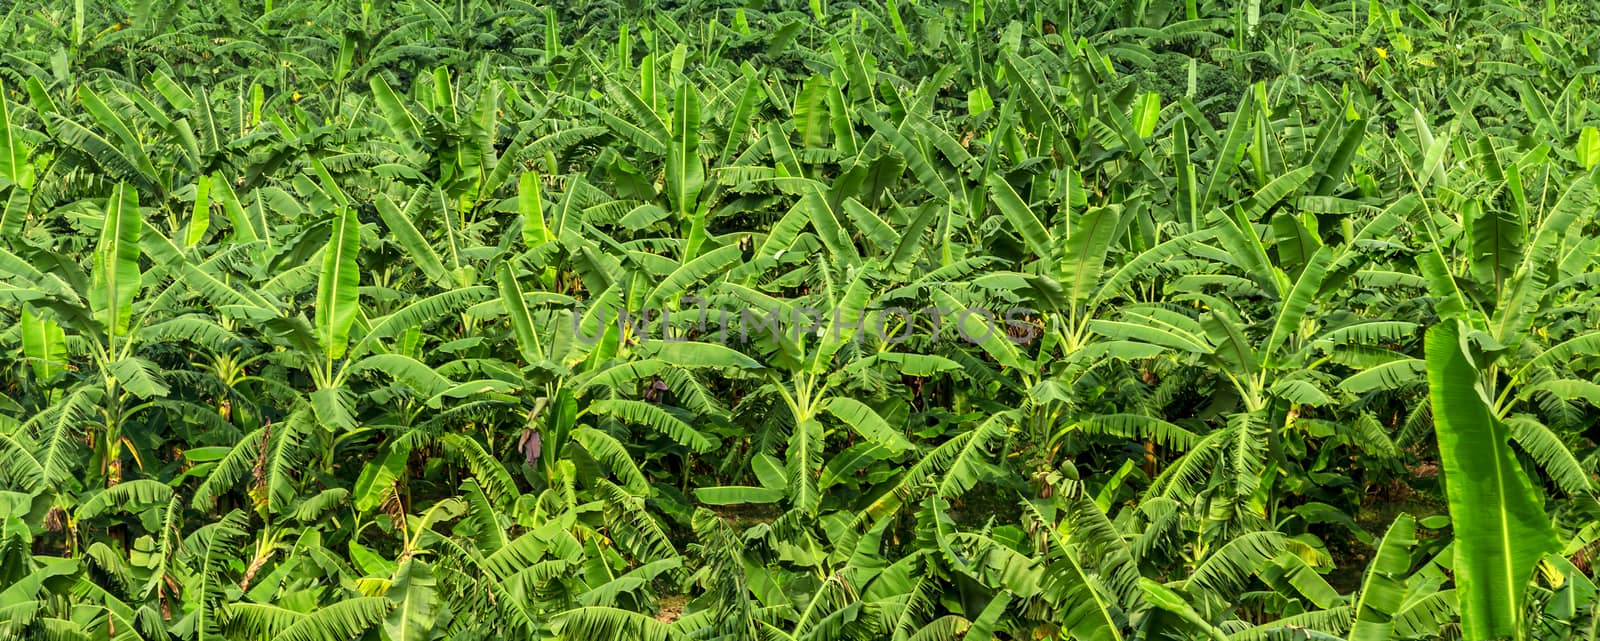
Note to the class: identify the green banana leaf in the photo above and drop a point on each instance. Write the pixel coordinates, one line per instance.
(1501, 530)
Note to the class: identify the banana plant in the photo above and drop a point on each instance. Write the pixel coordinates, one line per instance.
(1271, 368)
(1396, 599)
(1505, 285)
(113, 314)
(340, 341)
(450, 142)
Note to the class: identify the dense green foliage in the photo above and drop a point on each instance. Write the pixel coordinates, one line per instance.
(309, 320)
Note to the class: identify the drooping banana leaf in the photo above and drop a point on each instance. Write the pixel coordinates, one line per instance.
(1383, 591)
(14, 151)
(44, 344)
(1501, 530)
(413, 592)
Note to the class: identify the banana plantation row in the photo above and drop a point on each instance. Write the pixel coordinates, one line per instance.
(913, 320)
